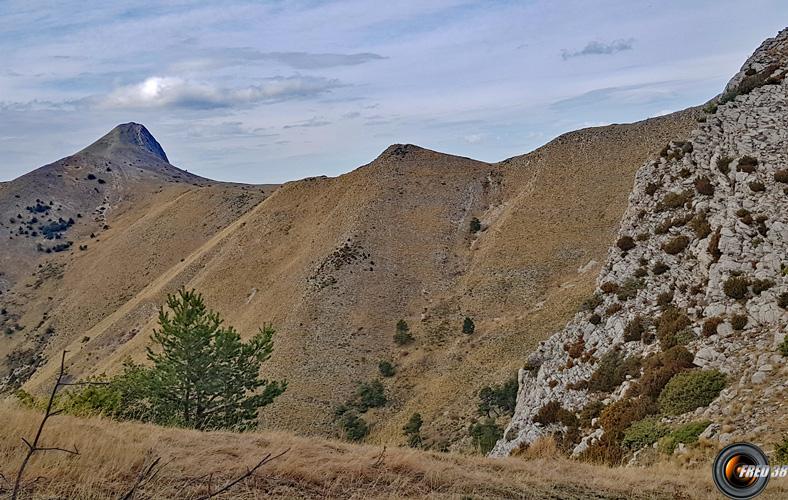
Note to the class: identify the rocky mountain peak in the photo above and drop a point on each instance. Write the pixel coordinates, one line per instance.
(128, 136)
(694, 293)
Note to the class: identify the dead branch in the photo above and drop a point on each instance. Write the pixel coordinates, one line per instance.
(33, 448)
(146, 475)
(379, 459)
(266, 459)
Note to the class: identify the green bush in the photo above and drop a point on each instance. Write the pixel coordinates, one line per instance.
(468, 327)
(644, 433)
(591, 411)
(781, 452)
(499, 399)
(355, 427)
(676, 245)
(386, 369)
(782, 300)
(412, 430)
(689, 390)
(369, 395)
(591, 303)
(700, 224)
(686, 434)
(784, 347)
(735, 287)
(475, 225)
(612, 370)
(485, 434)
(402, 335)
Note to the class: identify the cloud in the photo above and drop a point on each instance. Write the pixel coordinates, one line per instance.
(597, 48)
(240, 56)
(312, 122)
(161, 92)
(473, 138)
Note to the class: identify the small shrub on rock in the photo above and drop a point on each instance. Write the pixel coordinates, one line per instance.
(676, 245)
(629, 289)
(700, 224)
(617, 417)
(674, 200)
(689, 390)
(710, 326)
(635, 329)
(613, 308)
(781, 176)
(747, 164)
(739, 321)
(595, 319)
(612, 370)
(554, 413)
(714, 246)
(724, 164)
(704, 186)
(652, 188)
(757, 186)
(659, 368)
(590, 412)
(782, 300)
(625, 243)
(761, 285)
(591, 303)
(660, 268)
(673, 328)
(609, 287)
(735, 287)
(386, 369)
(784, 347)
(664, 299)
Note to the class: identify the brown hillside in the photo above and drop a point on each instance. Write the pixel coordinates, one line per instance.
(335, 262)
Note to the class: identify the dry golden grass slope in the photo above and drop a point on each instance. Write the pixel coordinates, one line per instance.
(333, 263)
(112, 454)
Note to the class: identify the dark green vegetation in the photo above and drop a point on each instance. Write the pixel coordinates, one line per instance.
(201, 374)
(403, 335)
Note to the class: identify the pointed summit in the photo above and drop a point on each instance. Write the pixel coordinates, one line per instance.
(127, 136)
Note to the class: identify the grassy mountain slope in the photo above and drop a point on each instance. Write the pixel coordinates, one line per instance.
(335, 262)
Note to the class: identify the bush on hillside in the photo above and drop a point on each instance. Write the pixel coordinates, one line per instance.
(673, 328)
(782, 300)
(747, 164)
(617, 417)
(761, 285)
(499, 399)
(676, 245)
(468, 327)
(612, 370)
(354, 427)
(475, 225)
(412, 430)
(659, 368)
(386, 369)
(685, 434)
(554, 413)
(635, 329)
(781, 176)
(756, 186)
(710, 326)
(723, 164)
(625, 243)
(674, 200)
(781, 452)
(485, 434)
(735, 287)
(689, 390)
(739, 321)
(402, 335)
(660, 268)
(644, 433)
(704, 186)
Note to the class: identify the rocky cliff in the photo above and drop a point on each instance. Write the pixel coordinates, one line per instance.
(689, 314)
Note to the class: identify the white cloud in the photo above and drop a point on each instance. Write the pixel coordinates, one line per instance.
(473, 138)
(596, 48)
(158, 92)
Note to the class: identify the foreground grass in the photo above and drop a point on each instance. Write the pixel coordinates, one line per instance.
(113, 453)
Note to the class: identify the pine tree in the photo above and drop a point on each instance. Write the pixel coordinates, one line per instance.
(403, 335)
(203, 375)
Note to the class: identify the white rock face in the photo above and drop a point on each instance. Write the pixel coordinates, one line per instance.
(748, 217)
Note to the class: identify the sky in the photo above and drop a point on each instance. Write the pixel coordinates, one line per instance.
(264, 92)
